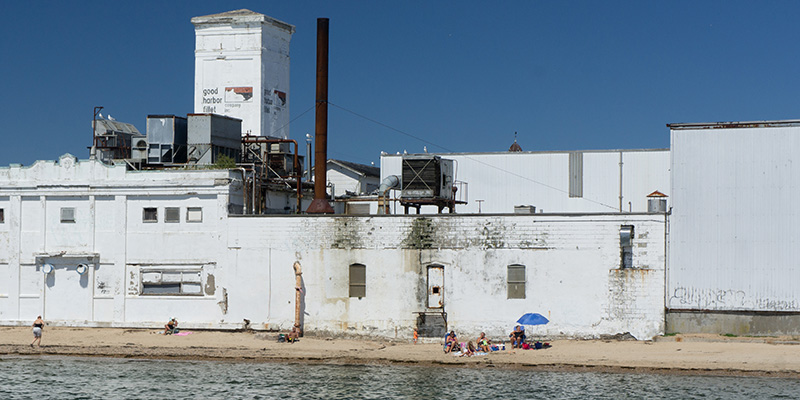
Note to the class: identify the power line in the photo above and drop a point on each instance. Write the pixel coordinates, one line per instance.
(294, 119)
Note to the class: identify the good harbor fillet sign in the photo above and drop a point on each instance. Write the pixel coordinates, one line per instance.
(232, 97)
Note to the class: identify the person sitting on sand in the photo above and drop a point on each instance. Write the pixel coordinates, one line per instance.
(293, 335)
(451, 343)
(483, 343)
(38, 326)
(171, 327)
(469, 351)
(517, 337)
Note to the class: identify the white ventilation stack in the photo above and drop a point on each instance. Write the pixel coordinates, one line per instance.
(242, 70)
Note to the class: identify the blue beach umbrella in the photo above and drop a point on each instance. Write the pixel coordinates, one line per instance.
(532, 319)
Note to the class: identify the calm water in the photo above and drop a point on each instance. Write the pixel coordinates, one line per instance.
(103, 378)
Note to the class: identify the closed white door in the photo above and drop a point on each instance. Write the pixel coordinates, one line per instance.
(435, 286)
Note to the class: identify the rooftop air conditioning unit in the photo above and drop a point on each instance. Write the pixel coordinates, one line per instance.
(427, 177)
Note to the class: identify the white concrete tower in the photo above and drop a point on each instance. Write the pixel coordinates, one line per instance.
(241, 63)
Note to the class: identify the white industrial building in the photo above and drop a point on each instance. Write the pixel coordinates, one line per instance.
(87, 244)
(553, 181)
(569, 234)
(242, 70)
(733, 258)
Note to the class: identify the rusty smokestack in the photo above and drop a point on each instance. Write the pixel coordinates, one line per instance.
(320, 204)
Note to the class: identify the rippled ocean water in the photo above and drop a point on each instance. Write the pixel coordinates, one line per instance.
(108, 378)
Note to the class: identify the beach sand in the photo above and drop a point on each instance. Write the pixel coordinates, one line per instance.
(680, 354)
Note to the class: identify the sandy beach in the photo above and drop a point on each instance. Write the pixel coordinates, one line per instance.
(679, 354)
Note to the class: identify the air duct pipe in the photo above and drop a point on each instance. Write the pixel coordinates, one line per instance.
(388, 183)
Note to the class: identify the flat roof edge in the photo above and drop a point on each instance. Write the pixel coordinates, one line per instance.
(735, 124)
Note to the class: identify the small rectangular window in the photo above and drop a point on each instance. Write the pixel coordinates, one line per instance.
(172, 214)
(171, 282)
(516, 281)
(358, 280)
(2, 216)
(150, 214)
(194, 214)
(67, 215)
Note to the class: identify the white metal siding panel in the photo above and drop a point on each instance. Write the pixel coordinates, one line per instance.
(642, 174)
(600, 183)
(733, 231)
(342, 180)
(505, 180)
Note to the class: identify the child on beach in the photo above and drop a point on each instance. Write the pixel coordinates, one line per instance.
(469, 351)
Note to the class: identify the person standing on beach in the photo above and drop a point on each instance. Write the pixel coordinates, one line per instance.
(38, 326)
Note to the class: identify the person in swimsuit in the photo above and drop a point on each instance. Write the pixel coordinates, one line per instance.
(294, 334)
(451, 343)
(38, 326)
(483, 343)
(171, 327)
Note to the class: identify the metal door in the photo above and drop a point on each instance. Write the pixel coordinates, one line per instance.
(435, 286)
(67, 293)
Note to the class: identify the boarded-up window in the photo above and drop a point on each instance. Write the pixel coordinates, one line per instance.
(172, 214)
(516, 281)
(67, 215)
(358, 280)
(576, 174)
(194, 214)
(171, 282)
(150, 214)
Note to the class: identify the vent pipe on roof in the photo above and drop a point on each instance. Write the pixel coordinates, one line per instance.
(320, 204)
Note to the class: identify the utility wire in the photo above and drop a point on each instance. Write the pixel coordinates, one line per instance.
(295, 119)
(470, 158)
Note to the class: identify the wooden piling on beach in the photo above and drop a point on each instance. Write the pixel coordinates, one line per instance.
(298, 294)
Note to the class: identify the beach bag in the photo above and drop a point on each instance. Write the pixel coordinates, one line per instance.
(538, 345)
(281, 338)
(525, 346)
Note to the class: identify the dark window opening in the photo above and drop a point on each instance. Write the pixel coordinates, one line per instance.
(358, 280)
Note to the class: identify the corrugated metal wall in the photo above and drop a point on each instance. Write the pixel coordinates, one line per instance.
(543, 179)
(734, 225)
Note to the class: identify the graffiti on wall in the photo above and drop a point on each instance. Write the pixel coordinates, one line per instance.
(718, 299)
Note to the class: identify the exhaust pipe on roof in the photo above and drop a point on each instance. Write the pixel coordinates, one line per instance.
(320, 204)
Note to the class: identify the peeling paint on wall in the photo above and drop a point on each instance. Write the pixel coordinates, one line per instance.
(223, 304)
(133, 283)
(211, 287)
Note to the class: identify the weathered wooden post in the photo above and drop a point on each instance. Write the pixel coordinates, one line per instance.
(298, 294)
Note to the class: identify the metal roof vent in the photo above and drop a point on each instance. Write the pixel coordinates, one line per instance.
(657, 202)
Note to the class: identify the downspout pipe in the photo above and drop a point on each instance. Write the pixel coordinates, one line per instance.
(244, 189)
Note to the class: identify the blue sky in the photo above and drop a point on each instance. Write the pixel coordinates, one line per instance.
(460, 75)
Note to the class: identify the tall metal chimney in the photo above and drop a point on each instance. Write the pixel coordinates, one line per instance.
(320, 205)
